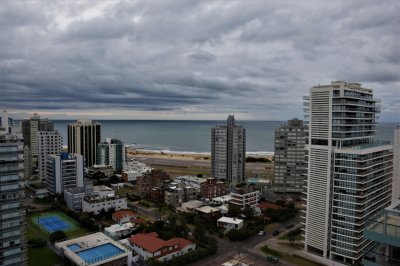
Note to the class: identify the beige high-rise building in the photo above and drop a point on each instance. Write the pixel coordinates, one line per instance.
(228, 151)
(290, 165)
(49, 143)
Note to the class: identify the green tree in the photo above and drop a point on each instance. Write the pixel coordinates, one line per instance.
(248, 211)
(233, 210)
(57, 235)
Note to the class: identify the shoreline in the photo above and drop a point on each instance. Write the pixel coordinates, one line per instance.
(183, 155)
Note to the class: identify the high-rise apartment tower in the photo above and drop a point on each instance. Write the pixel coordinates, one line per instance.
(83, 137)
(64, 171)
(349, 177)
(289, 156)
(12, 214)
(228, 151)
(49, 143)
(396, 165)
(112, 152)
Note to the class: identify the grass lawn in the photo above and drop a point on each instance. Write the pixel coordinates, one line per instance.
(272, 227)
(36, 255)
(73, 231)
(290, 258)
(296, 236)
(43, 256)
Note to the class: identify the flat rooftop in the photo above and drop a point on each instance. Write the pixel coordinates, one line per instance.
(94, 249)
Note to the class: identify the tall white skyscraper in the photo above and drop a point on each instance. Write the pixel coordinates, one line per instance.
(49, 143)
(396, 165)
(12, 214)
(228, 151)
(64, 171)
(349, 177)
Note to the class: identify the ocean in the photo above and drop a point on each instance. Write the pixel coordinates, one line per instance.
(192, 136)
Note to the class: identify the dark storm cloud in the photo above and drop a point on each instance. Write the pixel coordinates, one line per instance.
(253, 58)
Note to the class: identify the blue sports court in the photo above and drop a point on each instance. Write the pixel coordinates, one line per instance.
(53, 223)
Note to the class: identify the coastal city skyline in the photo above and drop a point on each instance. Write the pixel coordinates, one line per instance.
(215, 132)
(141, 60)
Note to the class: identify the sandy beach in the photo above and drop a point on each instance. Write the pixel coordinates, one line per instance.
(139, 153)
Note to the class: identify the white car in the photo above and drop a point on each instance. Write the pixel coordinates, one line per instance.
(261, 233)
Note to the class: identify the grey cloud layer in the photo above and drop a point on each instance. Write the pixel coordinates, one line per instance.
(254, 58)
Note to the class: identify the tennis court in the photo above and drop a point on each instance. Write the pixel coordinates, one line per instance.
(53, 223)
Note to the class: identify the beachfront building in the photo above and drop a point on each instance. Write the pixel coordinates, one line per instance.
(134, 169)
(349, 173)
(384, 231)
(49, 143)
(212, 188)
(290, 165)
(228, 152)
(147, 246)
(64, 171)
(30, 128)
(396, 165)
(103, 198)
(112, 152)
(12, 240)
(94, 249)
(83, 137)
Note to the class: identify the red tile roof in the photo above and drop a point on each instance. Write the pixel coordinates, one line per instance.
(266, 205)
(152, 243)
(121, 214)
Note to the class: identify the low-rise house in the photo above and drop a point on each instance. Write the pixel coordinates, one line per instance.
(190, 180)
(230, 223)
(209, 212)
(117, 231)
(150, 246)
(225, 199)
(123, 216)
(190, 206)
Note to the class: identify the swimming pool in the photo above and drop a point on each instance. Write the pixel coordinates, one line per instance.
(99, 253)
(74, 247)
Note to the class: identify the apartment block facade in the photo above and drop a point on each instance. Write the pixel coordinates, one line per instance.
(212, 188)
(349, 175)
(290, 165)
(12, 224)
(83, 137)
(228, 151)
(64, 171)
(49, 143)
(112, 152)
(396, 165)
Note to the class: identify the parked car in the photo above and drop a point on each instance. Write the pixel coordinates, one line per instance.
(289, 226)
(261, 233)
(275, 233)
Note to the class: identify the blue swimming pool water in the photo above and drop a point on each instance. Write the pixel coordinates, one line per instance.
(99, 253)
(74, 247)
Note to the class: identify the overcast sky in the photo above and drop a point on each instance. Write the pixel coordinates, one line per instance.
(193, 59)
